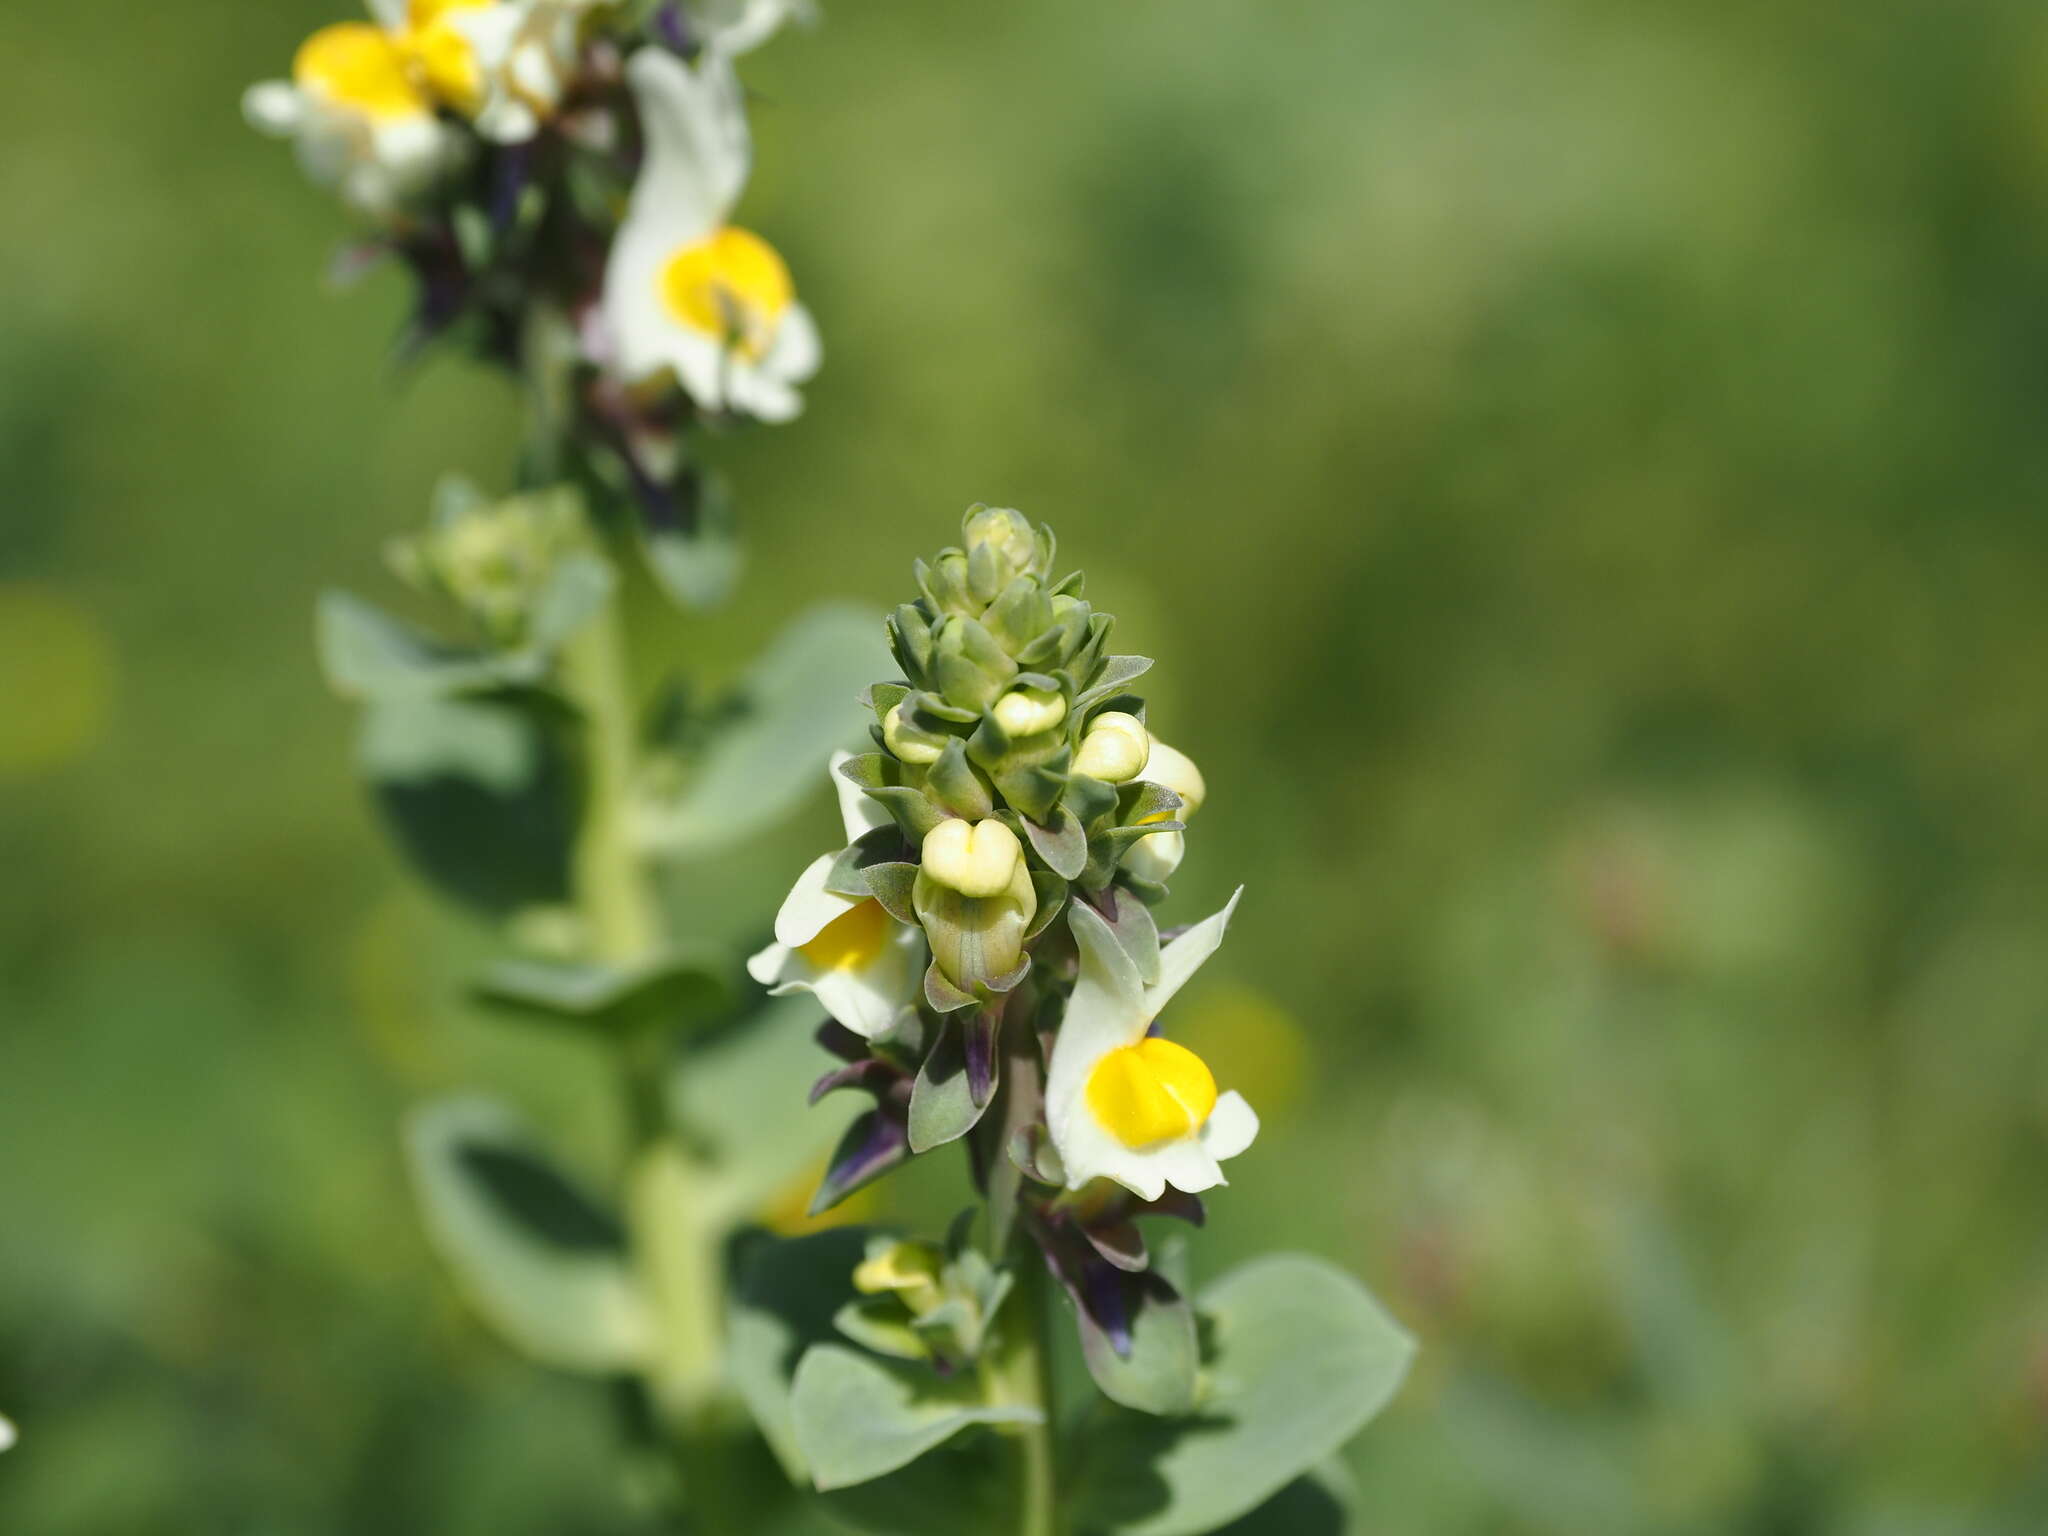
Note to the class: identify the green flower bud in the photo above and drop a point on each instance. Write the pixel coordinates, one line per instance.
(1114, 749)
(969, 667)
(1028, 711)
(1007, 531)
(945, 586)
(910, 742)
(975, 939)
(977, 860)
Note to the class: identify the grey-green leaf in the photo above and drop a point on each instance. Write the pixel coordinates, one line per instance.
(536, 1256)
(740, 1096)
(1302, 1358)
(858, 1418)
(784, 1296)
(796, 705)
(365, 651)
(676, 990)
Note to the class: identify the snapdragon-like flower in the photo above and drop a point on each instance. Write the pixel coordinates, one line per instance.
(366, 99)
(864, 966)
(686, 291)
(1123, 1103)
(362, 116)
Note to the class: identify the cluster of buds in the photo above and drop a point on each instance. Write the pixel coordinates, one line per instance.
(929, 1302)
(493, 559)
(560, 178)
(985, 941)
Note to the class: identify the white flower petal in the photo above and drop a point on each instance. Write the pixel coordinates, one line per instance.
(770, 964)
(274, 107)
(1184, 956)
(809, 906)
(796, 350)
(698, 151)
(389, 14)
(1231, 1126)
(858, 812)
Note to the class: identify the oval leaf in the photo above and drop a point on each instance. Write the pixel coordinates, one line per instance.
(858, 1418)
(1302, 1358)
(542, 1262)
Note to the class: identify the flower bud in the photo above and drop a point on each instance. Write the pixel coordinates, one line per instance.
(1177, 771)
(1155, 858)
(910, 1270)
(1028, 711)
(971, 669)
(1115, 748)
(910, 742)
(974, 939)
(979, 860)
(1007, 535)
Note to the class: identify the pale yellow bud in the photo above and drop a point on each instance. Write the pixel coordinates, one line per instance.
(1177, 771)
(1115, 748)
(977, 860)
(1027, 711)
(1010, 532)
(911, 743)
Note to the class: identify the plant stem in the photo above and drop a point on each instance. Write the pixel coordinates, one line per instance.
(612, 889)
(1019, 1370)
(675, 1241)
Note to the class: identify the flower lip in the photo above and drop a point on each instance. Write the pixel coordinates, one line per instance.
(1115, 749)
(733, 286)
(1151, 1092)
(357, 65)
(977, 860)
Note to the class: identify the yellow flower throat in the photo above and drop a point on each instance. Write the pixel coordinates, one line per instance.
(732, 285)
(1151, 1092)
(850, 940)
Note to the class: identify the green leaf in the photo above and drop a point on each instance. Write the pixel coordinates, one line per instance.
(686, 533)
(795, 706)
(538, 1259)
(740, 1096)
(482, 794)
(674, 990)
(1318, 1503)
(785, 1293)
(1302, 1358)
(858, 1418)
(366, 652)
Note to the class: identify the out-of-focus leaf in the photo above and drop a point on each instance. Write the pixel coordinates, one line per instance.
(858, 1418)
(686, 532)
(1302, 1358)
(483, 794)
(740, 1097)
(365, 653)
(677, 989)
(794, 707)
(785, 1293)
(538, 1258)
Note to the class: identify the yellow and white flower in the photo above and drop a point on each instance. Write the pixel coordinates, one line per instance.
(1123, 1104)
(687, 292)
(361, 115)
(503, 64)
(365, 98)
(863, 965)
(1155, 858)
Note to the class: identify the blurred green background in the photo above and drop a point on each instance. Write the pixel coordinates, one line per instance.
(1583, 469)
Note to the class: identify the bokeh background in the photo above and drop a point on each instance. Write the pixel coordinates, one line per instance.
(1583, 468)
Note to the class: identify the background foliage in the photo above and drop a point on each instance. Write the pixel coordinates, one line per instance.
(1584, 464)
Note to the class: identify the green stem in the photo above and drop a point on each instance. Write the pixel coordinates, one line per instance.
(613, 892)
(1018, 1369)
(675, 1237)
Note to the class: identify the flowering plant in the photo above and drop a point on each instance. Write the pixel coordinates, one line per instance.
(560, 178)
